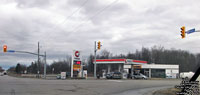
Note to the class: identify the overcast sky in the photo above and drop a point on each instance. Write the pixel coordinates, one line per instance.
(121, 25)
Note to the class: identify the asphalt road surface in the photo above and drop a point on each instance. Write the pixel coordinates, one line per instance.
(26, 86)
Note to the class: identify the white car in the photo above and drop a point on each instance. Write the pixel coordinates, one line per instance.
(1, 74)
(139, 76)
(186, 74)
(63, 75)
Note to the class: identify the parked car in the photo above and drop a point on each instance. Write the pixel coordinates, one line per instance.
(139, 76)
(186, 74)
(63, 75)
(1, 74)
(117, 75)
(109, 76)
(68, 74)
(58, 76)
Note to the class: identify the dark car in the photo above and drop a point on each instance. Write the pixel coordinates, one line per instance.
(109, 76)
(139, 76)
(117, 75)
(68, 74)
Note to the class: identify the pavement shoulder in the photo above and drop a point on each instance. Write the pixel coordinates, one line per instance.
(167, 91)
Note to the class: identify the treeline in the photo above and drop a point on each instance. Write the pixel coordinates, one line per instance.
(54, 68)
(156, 54)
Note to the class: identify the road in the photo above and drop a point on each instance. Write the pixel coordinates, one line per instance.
(26, 86)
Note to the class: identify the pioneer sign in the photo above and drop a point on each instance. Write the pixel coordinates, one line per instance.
(76, 55)
(76, 62)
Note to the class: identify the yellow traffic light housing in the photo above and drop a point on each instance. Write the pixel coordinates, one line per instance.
(183, 32)
(5, 48)
(99, 45)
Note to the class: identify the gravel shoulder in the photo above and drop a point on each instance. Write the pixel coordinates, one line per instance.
(168, 91)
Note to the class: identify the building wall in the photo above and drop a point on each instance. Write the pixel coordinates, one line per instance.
(160, 66)
(162, 71)
(172, 73)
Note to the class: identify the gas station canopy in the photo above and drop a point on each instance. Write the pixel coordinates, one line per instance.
(120, 61)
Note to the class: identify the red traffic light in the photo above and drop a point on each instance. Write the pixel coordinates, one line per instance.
(5, 48)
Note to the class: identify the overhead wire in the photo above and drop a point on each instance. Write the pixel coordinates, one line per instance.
(92, 17)
(68, 17)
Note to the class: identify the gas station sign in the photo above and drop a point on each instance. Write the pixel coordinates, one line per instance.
(76, 62)
(76, 67)
(76, 55)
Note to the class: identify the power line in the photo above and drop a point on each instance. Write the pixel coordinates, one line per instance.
(92, 17)
(83, 4)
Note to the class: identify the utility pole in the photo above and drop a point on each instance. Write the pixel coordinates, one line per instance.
(72, 63)
(38, 59)
(45, 65)
(95, 50)
(81, 69)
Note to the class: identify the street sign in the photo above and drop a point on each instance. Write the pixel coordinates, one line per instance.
(10, 50)
(190, 31)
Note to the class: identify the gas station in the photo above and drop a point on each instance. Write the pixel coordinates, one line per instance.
(130, 67)
(125, 66)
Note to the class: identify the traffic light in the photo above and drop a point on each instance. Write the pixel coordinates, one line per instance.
(5, 48)
(99, 45)
(183, 32)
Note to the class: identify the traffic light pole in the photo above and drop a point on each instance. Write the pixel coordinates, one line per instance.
(95, 50)
(45, 64)
(72, 63)
(38, 59)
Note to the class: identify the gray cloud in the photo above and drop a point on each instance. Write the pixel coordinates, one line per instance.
(121, 25)
(32, 3)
